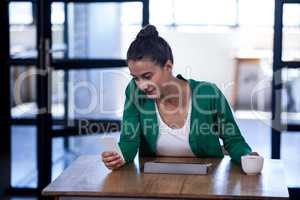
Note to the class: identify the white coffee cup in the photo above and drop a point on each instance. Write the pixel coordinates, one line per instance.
(252, 164)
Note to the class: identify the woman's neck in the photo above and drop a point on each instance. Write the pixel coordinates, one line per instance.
(175, 92)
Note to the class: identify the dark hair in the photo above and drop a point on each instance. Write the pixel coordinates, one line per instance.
(148, 44)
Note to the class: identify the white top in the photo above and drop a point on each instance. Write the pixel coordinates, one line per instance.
(174, 142)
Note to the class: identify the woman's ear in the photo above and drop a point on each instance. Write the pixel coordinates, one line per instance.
(168, 66)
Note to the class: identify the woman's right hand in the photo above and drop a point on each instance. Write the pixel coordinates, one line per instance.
(112, 160)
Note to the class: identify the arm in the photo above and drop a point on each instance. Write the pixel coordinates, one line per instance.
(130, 126)
(228, 130)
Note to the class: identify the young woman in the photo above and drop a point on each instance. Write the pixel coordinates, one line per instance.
(166, 115)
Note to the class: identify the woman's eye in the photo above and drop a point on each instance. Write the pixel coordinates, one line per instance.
(147, 77)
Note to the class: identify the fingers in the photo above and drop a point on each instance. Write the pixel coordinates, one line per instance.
(119, 165)
(108, 153)
(113, 163)
(112, 160)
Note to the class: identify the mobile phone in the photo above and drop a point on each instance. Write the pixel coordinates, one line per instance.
(110, 144)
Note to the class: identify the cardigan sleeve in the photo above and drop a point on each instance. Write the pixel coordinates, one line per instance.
(130, 126)
(228, 130)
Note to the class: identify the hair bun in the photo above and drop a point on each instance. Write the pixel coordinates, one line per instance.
(149, 31)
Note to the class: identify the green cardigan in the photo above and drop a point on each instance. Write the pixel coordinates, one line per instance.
(211, 119)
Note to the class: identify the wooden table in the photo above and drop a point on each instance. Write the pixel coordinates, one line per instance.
(88, 178)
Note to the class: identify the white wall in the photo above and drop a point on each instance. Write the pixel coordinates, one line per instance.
(209, 55)
(205, 56)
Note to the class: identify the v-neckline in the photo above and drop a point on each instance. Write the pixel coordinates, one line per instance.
(187, 118)
(151, 120)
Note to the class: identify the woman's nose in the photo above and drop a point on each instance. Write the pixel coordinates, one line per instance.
(143, 86)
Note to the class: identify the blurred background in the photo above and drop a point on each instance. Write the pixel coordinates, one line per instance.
(228, 42)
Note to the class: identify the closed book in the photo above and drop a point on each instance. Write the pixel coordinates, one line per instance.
(175, 168)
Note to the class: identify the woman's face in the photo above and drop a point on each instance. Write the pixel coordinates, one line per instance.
(150, 77)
